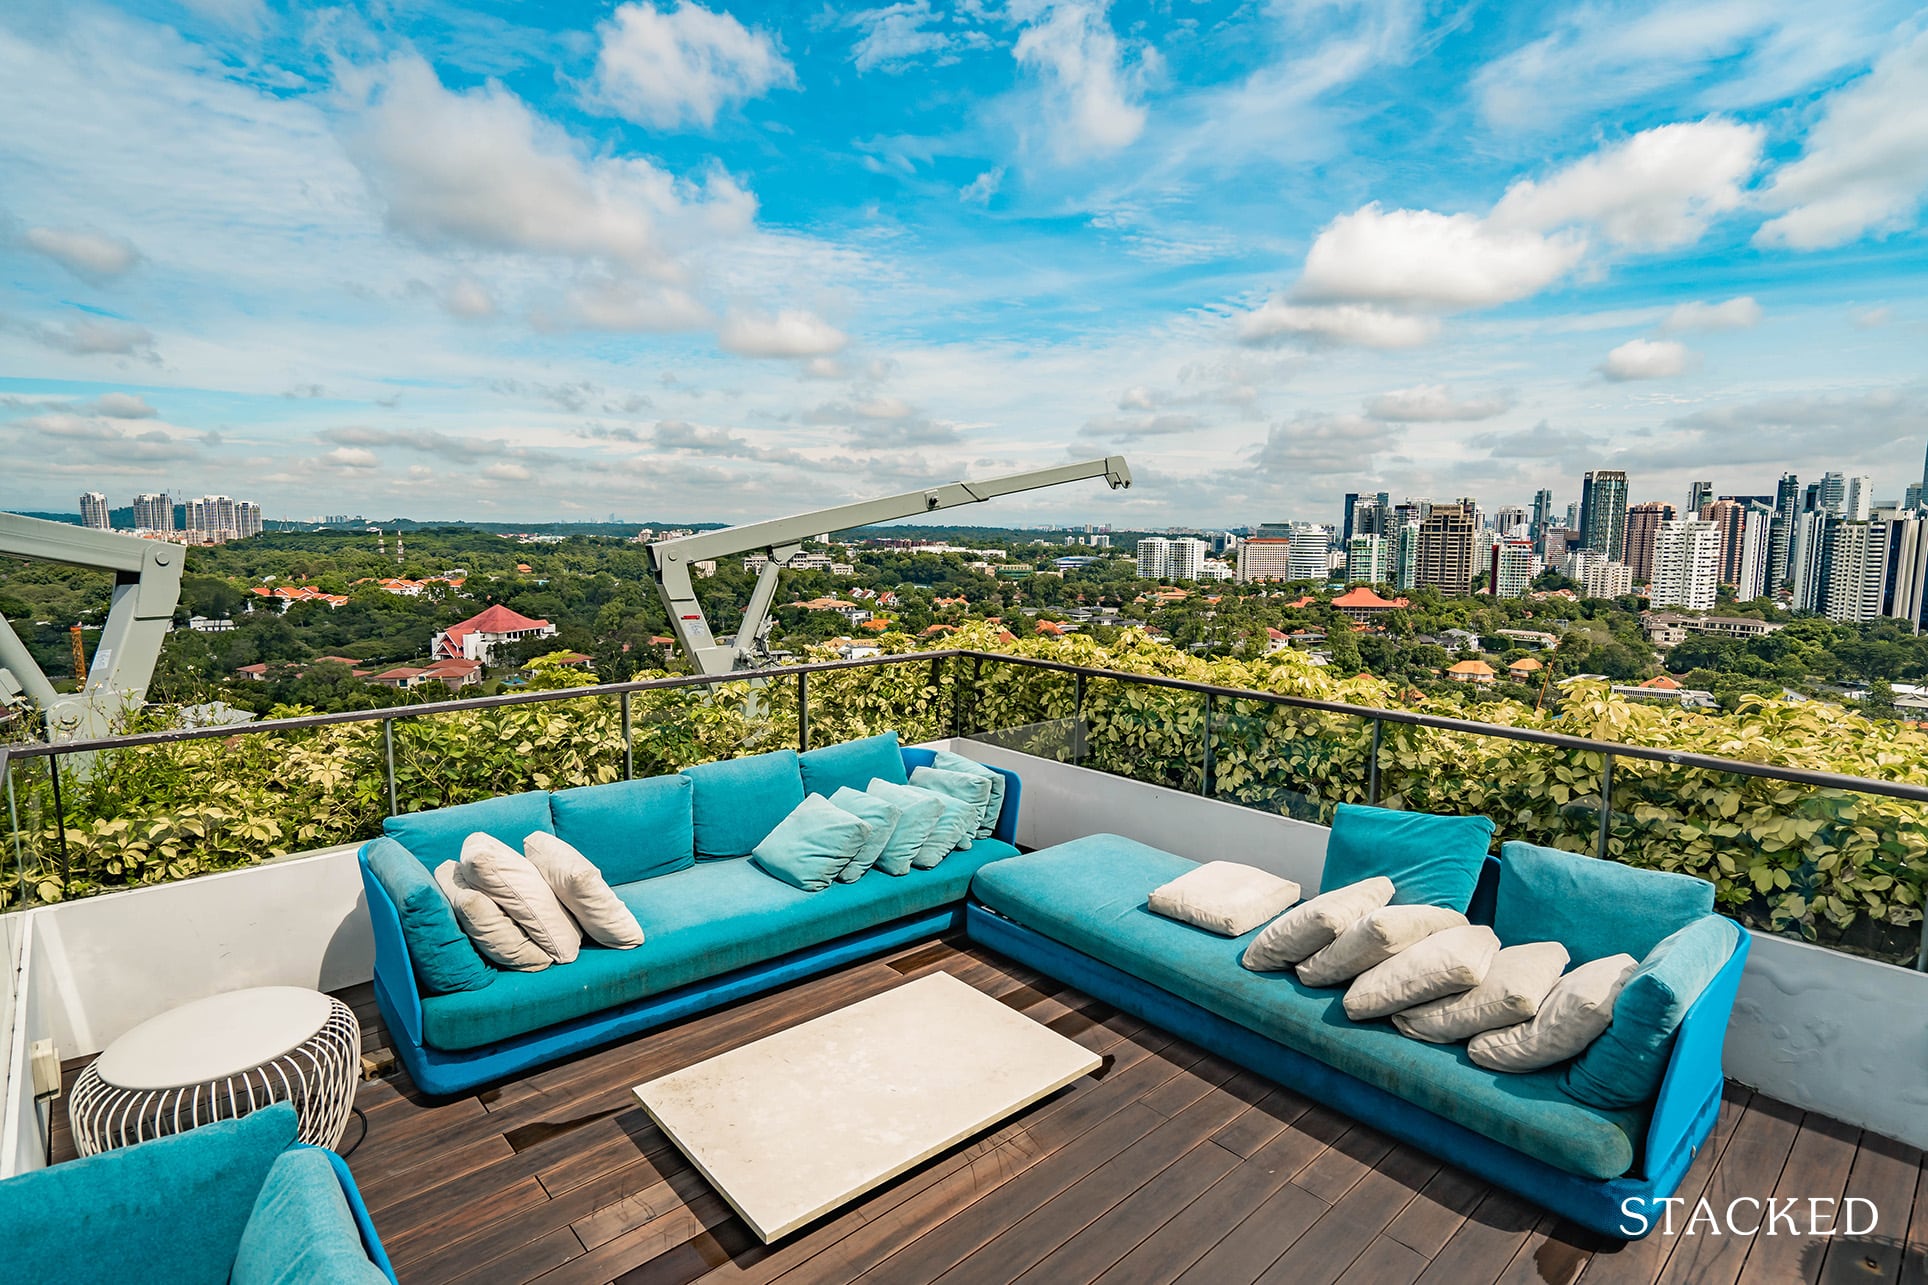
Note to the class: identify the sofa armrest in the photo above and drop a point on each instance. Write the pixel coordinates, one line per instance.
(394, 970)
(371, 1242)
(1006, 828)
(1694, 1067)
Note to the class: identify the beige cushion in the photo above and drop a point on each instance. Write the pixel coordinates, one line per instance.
(512, 881)
(1450, 961)
(583, 891)
(1223, 897)
(1510, 993)
(1375, 939)
(1303, 931)
(494, 933)
(1574, 1013)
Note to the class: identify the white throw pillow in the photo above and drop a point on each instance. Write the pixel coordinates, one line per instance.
(494, 933)
(512, 881)
(1450, 961)
(1574, 1013)
(1223, 897)
(1303, 931)
(1375, 939)
(583, 891)
(1511, 992)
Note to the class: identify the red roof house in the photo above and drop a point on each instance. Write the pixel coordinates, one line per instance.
(477, 637)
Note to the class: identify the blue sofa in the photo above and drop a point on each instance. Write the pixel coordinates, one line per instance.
(234, 1201)
(716, 928)
(1078, 913)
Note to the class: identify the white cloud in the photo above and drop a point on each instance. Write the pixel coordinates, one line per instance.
(790, 333)
(480, 169)
(898, 35)
(89, 255)
(91, 337)
(623, 305)
(247, 16)
(1429, 403)
(1742, 313)
(1647, 359)
(665, 68)
(1419, 258)
(1345, 323)
(1657, 190)
(352, 459)
(505, 471)
(123, 406)
(1871, 318)
(981, 189)
(1088, 84)
(468, 298)
(1864, 166)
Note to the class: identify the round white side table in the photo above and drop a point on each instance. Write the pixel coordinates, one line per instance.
(219, 1058)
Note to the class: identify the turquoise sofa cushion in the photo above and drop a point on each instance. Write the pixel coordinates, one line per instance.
(444, 958)
(972, 788)
(161, 1213)
(958, 763)
(301, 1231)
(854, 764)
(736, 802)
(1625, 1065)
(1592, 907)
(918, 815)
(436, 836)
(882, 816)
(714, 918)
(810, 847)
(1090, 895)
(952, 830)
(631, 829)
(1431, 860)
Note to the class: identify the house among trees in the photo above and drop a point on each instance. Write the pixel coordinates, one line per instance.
(1363, 604)
(1471, 671)
(477, 637)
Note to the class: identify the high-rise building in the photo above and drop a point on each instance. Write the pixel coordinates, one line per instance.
(1859, 506)
(1310, 554)
(1369, 559)
(1509, 571)
(1187, 558)
(1699, 495)
(1757, 544)
(1597, 576)
(247, 516)
(1833, 494)
(1351, 509)
(1856, 560)
(1686, 564)
(1572, 519)
(1260, 558)
(93, 511)
(1643, 525)
(154, 513)
(1445, 554)
(1556, 544)
(1154, 558)
(1787, 507)
(1512, 520)
(1603, 513)
(1807, 560)
(1542, 515)
(1406, 555)
(1729, 516)
(1907, 593)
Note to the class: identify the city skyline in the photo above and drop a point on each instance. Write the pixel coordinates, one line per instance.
(720, 255)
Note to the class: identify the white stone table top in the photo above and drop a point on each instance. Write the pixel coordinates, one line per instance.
(800, 1122)
(213, 1038)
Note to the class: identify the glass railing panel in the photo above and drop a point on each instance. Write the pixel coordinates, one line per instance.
(1295, 762)
(915, 699)
(1019, 707)
(1146, 733)
(33, 869)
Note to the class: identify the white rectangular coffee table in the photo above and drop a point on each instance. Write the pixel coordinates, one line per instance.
(800, 1122)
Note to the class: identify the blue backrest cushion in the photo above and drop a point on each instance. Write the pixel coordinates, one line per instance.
(630, 829)
(810, 847)
(1624, 1067)
(170, 1210)
(854, 764)
(735, 804)
(436, 836)
(1431, 860)
(444, 958)
(1592, 907)
(300, 1230)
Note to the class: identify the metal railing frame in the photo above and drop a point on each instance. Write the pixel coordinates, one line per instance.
(942, 661)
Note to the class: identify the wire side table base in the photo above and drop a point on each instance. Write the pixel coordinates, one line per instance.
(318, 1076)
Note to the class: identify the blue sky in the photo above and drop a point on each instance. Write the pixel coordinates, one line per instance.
(558, 261)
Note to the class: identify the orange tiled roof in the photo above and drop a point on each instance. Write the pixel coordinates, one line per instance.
(1472, 667)
(1362, 597)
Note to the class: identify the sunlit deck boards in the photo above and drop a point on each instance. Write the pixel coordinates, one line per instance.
(1172, 1165)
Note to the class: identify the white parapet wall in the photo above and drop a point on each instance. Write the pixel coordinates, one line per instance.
(1825, 1031)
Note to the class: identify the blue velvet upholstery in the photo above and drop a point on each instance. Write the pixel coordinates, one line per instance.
(951, 762)
(856, 764)
(1006, 828)
(301, 1232)
(883, 818)
(736, 802)
(1592, 907)
(973, 788)
(702, 922)
(436, 836)
(1089, 894)
(918, 814)
(1624, 1066)
(1431, 860)
(445, 960)
(630, 829)
(810, 847)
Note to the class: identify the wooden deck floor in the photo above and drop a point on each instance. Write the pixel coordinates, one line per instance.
(1169, 1164)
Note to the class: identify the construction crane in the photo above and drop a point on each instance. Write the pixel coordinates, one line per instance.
(147, 586)
(781, 539)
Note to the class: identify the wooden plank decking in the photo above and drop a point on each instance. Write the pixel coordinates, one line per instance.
(1169, 1164)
